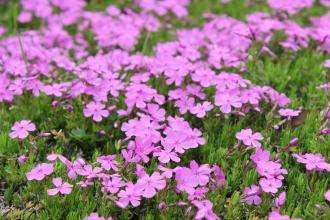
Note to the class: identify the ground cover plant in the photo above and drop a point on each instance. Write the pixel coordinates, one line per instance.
(147, 109)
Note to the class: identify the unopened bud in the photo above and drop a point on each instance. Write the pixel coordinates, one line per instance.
(293, 142)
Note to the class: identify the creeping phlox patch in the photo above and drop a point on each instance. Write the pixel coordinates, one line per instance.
(200, 74)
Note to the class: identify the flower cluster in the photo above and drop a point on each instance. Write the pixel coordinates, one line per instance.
(195, 181)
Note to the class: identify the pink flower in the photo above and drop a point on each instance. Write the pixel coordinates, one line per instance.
(260, 155)
(248, 138)
(220, 178)
(313, 161)
(205, 210)
(166, 172)
(327, 62)
(112, 185)
(3, 30)
(167, 155)
(280, 200)
(270, 185)
(199, 193)
(271, 169)
(251, 195)
(226, 101)
(40, 172)
(132, 194)
(24, 17)
(96, 110)
(89, 172)
(22, 159)
(156, 112)
(200, 173)
(21, 129)
(61, 187)
(200, 110)
(288, 113)
(95, 216)
(327, 195)
(275, 215)
(108, 162)
(150, 184)
(185, 180)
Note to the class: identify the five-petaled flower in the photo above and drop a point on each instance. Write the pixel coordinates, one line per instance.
(249, 138)
(40, 172)
(21, 129)
(96, 110)
(61, 187)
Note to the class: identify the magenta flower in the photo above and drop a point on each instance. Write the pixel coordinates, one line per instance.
(40, 172)
(270, 185)
(249, 138)
(61, 187)
(96, 110)
(150, 184)
(132, 194)
(251, 195)
(21, 129)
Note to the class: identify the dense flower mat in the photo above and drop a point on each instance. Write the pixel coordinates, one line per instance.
(121, 106)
